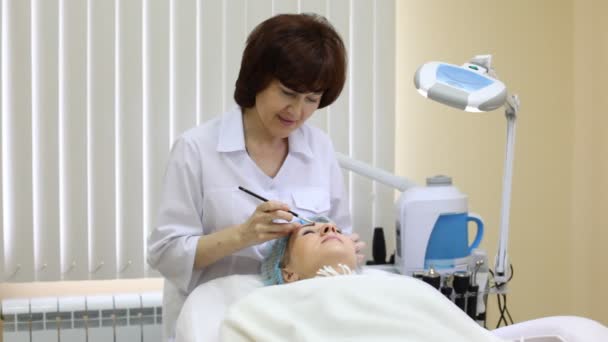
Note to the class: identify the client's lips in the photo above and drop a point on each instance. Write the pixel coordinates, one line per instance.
(331, 237)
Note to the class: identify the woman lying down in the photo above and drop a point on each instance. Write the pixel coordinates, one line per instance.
(315, 293)
(310, 302)
(316, 305)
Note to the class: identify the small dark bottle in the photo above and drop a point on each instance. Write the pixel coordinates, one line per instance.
(447, 292)
(379, 246)
(432, 278)
(472, 301)
(461, 282)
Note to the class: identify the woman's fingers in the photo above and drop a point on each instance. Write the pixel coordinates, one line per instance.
(278, 230)
(360, 258)
(270, 220)
(272, 206)
(282, 228)
(273, 210)
(359, 246)
(272, 236)
(281, 215)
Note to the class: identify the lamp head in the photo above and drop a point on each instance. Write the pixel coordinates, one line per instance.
(467, 87)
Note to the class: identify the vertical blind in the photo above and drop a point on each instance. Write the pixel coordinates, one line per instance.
(93, 93)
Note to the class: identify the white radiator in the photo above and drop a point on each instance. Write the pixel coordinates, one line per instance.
(103, 318)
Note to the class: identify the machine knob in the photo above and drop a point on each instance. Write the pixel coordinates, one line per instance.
(432, 278)
(462, 280)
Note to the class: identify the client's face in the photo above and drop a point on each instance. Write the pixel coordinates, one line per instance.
(313, 247)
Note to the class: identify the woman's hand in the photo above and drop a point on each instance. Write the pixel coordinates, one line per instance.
(261, 226)
(359, 245)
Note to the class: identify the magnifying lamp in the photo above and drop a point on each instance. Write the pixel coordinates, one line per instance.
(474, 87)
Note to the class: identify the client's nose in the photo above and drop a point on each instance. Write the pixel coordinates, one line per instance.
(328, 229)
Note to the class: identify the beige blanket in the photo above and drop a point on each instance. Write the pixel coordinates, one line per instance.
(350, 308)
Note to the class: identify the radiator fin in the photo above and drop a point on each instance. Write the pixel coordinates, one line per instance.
(86, 318)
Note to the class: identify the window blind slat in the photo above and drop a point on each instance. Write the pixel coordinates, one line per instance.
(320, 118)
(89, 115)
(234, 14)
(155, 108)
(45, 105)
(338, 115)
(129, 77)
(361, 134)
(384, 113)
(73, 139)
(210, 60)
(2, 142)
(285, 6)
(183, 65)
(101, 139)
(314, 6)
(257, 12)
(17, 141)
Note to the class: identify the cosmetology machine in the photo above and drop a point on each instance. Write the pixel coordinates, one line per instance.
(431, 221)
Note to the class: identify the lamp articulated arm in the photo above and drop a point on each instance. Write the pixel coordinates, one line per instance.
(502, 265)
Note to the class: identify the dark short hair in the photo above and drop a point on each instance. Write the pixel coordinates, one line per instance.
(303, 51)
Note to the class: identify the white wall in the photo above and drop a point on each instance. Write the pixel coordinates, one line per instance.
(589, 232)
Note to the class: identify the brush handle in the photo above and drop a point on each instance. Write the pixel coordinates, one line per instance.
(266, 200)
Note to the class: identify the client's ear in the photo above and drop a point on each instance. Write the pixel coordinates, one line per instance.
(289, 276)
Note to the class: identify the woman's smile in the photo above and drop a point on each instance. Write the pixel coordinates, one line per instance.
(286, 122)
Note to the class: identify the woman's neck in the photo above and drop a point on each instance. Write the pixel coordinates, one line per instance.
(256, 134)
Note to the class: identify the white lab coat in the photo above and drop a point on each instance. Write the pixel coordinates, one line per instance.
(200, 196)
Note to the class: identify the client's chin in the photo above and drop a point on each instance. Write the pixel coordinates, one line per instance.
(333, 253)
(334, 259)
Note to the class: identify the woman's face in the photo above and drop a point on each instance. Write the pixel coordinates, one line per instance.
(282, 110)
(313, 247)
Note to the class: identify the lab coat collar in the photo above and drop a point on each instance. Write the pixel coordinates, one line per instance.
(299, 144)
(232, 137)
